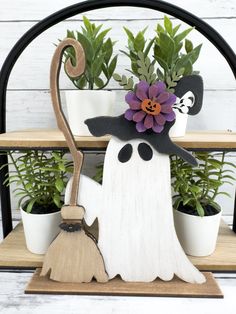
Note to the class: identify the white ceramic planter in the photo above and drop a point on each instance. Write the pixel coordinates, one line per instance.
(197, 235)
(179, 128)
(85, 104)
(40, 230)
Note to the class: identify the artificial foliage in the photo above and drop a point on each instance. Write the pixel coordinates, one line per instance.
(172, 56)
(100, 62)
(39, 179)
(197, 187)
(174, 53)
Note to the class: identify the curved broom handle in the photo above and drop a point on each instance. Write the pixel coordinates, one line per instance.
(73, 71)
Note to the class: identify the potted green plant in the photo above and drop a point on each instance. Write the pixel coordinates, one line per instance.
(39, 179)
(176, 55)
(169, 64)
(89, 100)
(196, 212)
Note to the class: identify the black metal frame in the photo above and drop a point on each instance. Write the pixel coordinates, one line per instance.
(214, 37)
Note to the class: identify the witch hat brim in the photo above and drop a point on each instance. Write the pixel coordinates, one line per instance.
(125, 130)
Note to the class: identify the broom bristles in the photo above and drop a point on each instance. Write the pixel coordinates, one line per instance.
(74, 257)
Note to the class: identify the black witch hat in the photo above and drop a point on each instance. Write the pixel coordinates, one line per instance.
(126, 130)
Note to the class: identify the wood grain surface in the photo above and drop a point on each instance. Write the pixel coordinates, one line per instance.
(46, 138)
(13, 252)
(173, 288)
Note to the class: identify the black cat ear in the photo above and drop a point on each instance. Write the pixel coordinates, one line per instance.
(189, 90)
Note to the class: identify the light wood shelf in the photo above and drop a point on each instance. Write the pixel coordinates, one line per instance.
(49, 138)
(13, 252)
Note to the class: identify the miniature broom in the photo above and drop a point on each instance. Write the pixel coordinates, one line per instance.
(73, 256)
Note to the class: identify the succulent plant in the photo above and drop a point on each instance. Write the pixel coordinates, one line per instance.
(169, 54)
(100, 62)
(198, 187)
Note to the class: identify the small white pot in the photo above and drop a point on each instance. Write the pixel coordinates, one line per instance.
(179, 128)
(40, 230)
(197, 235)
(85, 104)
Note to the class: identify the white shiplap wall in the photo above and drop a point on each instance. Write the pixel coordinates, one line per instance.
(28, 99)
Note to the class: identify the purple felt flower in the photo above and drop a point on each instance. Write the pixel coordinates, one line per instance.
(150, 106)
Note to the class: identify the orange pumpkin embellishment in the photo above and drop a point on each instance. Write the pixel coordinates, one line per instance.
(151, 107)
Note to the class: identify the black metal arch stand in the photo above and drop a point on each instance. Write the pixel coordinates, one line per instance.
(215, 38)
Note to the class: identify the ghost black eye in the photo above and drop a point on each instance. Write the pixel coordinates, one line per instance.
(145, 151)
(125, 153)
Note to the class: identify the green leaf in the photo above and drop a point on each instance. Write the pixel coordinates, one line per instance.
(224, 193)
(108, 49)
(61, 166)
(112, 66)
(99, 82)
(196, 189)
(188, 45)
(200, 209)
(116, 77)
(167, 46)
(97, 65)
(28, 186)
(162, 63)
(188, 68)
(59, 184)
(181, 63)
(215, 205)
(194, 54)
(168, 25)
(139, 42)
(175, 29)
(178, 38)
(81, 82)
(160, 29)
(87, 24)
(129, 34)
(105, 71)
(70, 34)
(87, 46)
(57, 200)
(160, 75)
(102, 35)
(149, 46)
(30, 205)
(216, 163)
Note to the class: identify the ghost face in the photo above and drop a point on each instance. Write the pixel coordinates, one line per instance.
(136, 230)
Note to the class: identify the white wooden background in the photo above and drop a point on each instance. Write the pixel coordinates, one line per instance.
(28, 99)
(28, 105)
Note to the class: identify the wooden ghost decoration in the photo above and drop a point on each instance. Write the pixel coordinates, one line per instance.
(137, 236)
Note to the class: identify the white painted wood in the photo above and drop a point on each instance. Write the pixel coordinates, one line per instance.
(33, 109)
(33, 65)
(137, 238)
(90, 197)
(16, 218)
(29, 10)
(14, 301)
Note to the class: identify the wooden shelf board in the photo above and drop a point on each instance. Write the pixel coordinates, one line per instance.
(48, 138)
(13, 252)
(173, 288)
